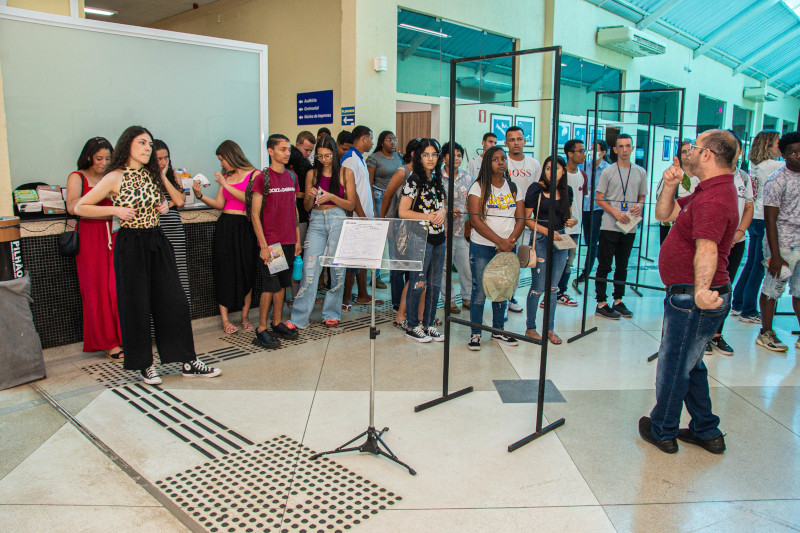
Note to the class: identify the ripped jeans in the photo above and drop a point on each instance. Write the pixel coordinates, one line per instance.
(537, 281)
(322, 238)
(431, 277)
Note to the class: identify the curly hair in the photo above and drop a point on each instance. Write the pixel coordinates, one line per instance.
(485, 177)
(121, 155)
(419, 170)
(759, 150)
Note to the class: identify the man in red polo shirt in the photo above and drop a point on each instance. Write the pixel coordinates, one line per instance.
(693, 265)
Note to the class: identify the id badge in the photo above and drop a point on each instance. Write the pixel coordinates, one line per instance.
(623, 207)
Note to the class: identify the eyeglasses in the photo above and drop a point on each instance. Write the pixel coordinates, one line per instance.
(324, 157)
(430, 155)
(693, 146)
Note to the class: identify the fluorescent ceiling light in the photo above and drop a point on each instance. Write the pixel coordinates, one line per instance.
(423, 30)
(98, 11)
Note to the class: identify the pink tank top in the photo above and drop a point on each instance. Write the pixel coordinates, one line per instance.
(325, 184)
(232, 203)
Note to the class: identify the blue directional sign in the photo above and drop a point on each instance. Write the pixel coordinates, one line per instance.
(348, 116)
(315, 108)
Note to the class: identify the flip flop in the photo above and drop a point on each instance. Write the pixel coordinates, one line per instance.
(230, 328)
(331, 323)
(346, 308)
(554, 339)
(119, 356)
(247, 326)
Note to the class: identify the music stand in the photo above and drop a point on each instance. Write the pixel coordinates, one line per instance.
(407, 241)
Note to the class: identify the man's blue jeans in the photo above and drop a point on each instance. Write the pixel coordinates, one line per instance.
(479, 257)
(430, 276)
(745, 295)
(682, 377)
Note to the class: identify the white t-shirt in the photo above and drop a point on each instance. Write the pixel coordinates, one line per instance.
(524, 173)
(744, 189)
(352, 160)
(759, 175)
(474, 166)
(576, 182)
(500, 211)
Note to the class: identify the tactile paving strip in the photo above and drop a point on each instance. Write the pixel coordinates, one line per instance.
(273, 486)
(192, 426)
(111, 374)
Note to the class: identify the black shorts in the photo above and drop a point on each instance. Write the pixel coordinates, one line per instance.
(281, 280)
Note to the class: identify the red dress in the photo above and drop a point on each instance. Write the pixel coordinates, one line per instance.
(95, 262)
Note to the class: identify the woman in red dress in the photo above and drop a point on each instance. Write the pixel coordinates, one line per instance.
(95, 259)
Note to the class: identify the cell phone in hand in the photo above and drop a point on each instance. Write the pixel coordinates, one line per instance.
(319, 195)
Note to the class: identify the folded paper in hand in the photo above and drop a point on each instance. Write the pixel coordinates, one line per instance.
(634, 221)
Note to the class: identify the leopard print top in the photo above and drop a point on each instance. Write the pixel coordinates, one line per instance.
(139, 192)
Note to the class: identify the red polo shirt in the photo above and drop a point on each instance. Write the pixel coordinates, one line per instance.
(711, 213)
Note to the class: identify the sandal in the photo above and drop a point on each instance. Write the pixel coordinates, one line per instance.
(379, 283)
(437, 322)
(554, 339)
(230, 328)
(119, 356)
(402, 325)
(331, 323)
(247, 325)
(532, 334)
(346, 308)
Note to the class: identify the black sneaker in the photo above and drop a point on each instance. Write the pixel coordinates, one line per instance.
(622, 310)
(721, 346)
(474, 343)
(418, 334)
(716, 445)
(504, 339)
(646, 432)
(606, 312)
(266, 340)
(150, 376)
(198, 369)
(709, 350)
(434, 334)
(285, 330)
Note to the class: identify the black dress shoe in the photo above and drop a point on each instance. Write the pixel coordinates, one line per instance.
(715, 445)
(646, 432)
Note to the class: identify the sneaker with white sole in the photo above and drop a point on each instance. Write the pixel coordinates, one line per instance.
(418, 334)
(770, 341)
(474, 343)
(504, 339)
(755, 319)
(434, 334)
(735, 312)
(606, 312)
(198, 369)
(514, 307)
(150, 376)
(719, 344)
(564, 299)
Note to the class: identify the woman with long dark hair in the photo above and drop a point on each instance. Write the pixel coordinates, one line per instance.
(327, 196)
(171, 222)
(95, 259)
(144, 263)
(497, 221)
(235, 250)
(538, 205)
(423, 199)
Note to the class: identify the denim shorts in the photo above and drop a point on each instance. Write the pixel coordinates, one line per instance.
(773, 288)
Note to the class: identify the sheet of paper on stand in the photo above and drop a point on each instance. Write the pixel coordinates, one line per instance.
(626, 228)
(278, 262)
(361, 243)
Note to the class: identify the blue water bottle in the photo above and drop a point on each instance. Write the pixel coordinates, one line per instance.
(297, 274)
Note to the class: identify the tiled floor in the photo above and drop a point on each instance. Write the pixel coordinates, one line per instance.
(238, 445)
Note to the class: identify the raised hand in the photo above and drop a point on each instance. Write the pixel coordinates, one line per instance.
(673, 175)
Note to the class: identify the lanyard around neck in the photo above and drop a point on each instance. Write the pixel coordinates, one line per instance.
(627, 181)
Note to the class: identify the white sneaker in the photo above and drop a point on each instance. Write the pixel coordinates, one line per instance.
(504, 339)
(150, 376)
(198, 369)
(514, 307)
(434, 334)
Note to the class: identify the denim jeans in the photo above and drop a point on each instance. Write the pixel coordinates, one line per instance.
(538, 279)
(431, 277)
(461, 261)
(322, 237)
(745, 295)
(591, 241)
(682, 376)
(479, 257)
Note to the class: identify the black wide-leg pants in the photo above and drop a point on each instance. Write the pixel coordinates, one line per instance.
(148, 284)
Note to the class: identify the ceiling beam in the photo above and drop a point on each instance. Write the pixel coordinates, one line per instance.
(657, 13)
(418, 40)
(792, 91)
(784, 71)
(726, 29)
(767, 50)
